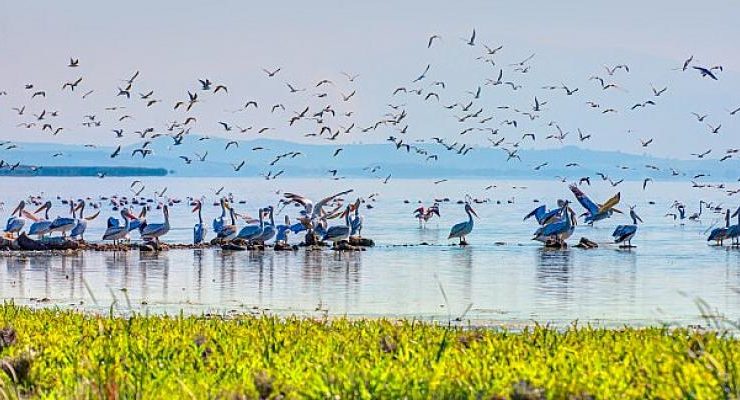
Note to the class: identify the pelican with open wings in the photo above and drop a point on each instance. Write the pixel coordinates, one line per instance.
(595, 212)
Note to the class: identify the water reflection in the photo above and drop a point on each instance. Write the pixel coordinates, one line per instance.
(553, 271)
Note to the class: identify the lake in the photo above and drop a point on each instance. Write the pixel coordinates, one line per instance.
(503, 277)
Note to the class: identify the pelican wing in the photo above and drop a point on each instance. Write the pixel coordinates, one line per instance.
(537, 213)
(610, 203)
(589, 205)
(326, 200)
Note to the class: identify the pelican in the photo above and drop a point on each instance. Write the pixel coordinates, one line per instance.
(219, 222)
(625, 233)
(228, 232)
(463, 228)
(15, 224)
(720, 234)
(733, 232)
(81, 225)
(199, 230)
(543, 216)
(356, 221)
(253, 231)
(560, 229)
(338, 233)
(595, 212)
(268, 230)
(117, 232)
(42, 226)
(154, 231)
(282, 232)
(64, 224)
(137, 223)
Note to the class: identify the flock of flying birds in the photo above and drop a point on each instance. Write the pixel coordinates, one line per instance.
(326, 114)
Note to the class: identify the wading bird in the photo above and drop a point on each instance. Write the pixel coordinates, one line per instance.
(462, 229)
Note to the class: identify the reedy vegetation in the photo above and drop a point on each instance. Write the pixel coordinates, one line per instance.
(75, 355)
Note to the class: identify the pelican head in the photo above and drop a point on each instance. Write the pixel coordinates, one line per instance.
(470, 209)
(19, 208)
(44, 207)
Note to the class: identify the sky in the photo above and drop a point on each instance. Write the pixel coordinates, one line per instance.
(174, 43)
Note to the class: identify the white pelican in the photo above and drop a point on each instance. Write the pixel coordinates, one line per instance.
(15, 224)
(117, 232)
(463, 228)
(155, 231)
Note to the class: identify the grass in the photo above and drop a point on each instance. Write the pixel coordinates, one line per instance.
(66, 354)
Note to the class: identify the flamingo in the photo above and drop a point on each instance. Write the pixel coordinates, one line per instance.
(425, 214)
(199, 230)
(463, 228)
(15, 224)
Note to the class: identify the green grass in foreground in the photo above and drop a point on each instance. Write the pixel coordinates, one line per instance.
(64, 354)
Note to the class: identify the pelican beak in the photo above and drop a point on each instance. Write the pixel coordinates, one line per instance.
(474, 213)
(197, 207)
(616, 210)
(92, 217)
(42, 208)
(17, 210)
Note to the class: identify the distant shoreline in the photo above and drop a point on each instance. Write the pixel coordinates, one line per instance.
(57, 171)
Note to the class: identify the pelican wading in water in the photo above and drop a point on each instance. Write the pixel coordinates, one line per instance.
(15, 224)
(463, 229)
(625, 233)
(116, 232)
(718, 235)
(595, 212)
(155, 231)
(41, 227)
(733, 232)
(199, 230)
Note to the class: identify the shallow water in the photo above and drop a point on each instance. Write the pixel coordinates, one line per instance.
(502, 276)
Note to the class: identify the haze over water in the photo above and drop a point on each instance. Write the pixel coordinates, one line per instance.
(505, 276)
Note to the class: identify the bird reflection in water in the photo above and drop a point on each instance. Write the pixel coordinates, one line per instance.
(553, 270)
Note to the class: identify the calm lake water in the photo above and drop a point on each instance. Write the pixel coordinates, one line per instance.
(502, 277)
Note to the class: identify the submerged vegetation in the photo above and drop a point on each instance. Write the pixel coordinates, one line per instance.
(66, 354)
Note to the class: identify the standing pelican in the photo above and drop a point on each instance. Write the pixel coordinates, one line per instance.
(253, 231)
(81, 226)
(625, 233)
(228, 232)
(720, 234)
(155, 231)
(268, 231)
(117, 232)
(356, 221)
(199, 230)
(733, 232)
(338, 233)
(463, 228)
(64, 224)
(42, 226)
(15, 224)
(281, 238)
(220, 221)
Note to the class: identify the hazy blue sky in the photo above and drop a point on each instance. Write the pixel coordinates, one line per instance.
(173, 43)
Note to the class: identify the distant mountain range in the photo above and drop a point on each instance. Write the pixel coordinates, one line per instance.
(358, 160)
